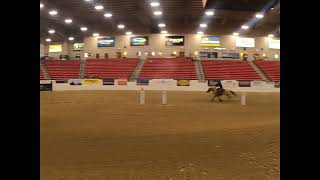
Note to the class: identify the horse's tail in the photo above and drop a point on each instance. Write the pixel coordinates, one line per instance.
(233, 93)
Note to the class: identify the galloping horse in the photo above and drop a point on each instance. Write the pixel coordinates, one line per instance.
(225, 92)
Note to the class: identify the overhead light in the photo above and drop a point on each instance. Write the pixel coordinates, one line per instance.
(95, 34)
(71, 38)
(48, 40)
(199, 32)
(83, 28)
(107, 15)
(164, 32)
(259, 16)
(53, 12)
(245, 27)
(203, 25)
(154, 4)
(236, 34)
(121, 26)
(88, 0)
(68, 21)
(99, 7)
(272, 8)
(51, 31)
(271, 35)
(128, 33)
(209, 13)
(162, 25)
(41, 5)
(157, 13)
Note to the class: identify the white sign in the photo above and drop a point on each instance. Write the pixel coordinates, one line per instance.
(245, 42)
(274, 44)
(55, 48)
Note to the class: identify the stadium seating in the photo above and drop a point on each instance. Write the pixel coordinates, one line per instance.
(63, 70)
(270, 68)
(110, 68)
(41, 75)
(168, 68)
(229, 70)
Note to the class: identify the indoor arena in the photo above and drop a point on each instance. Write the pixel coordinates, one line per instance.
(159, 90)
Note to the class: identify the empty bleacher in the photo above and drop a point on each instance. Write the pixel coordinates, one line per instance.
(229, 70)
(63, 70)
(168, 68)
(41, 75)
(110, 68)
(270, 68)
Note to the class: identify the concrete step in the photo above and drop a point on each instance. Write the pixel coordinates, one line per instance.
(263, 76)
(44, 70)
(136, 71)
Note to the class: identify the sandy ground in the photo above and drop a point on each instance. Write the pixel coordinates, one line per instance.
(107, 135)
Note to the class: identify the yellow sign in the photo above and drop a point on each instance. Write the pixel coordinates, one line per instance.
(55, 48)
(183, 82)
(92, 82)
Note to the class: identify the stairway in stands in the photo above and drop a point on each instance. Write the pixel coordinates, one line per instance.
(44, 70)
(199, 71)
(82, 69)
(136, 70)
(259, 72)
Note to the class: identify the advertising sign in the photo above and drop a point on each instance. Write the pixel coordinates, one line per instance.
(105, 41)
(245, 42)
(230, 55)
(174, 40)
(210, 41)
(78, 46)
(244, 84)
(274, 44)
(108, 81)
(92, 81)
(183, 83)
(139, 41)
(122, 81)
(75, 81)
(55, 48)
(142, 82)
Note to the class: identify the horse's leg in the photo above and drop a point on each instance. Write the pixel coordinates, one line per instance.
(213, 98)
(219, 97)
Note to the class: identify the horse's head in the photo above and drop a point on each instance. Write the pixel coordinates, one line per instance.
(211, 89)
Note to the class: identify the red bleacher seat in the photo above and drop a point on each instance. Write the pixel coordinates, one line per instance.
(168, 68)
(41, 75)
(110, 68)
(63, 70)
(228, 70)
(270, 68)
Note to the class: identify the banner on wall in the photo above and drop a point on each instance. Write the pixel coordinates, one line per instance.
(244, 84)
(122, 81)
(108, 81)
(230, 55)
(92, 82)
(61, 81)
(277, 84)
(209, 55)
(46, 87)
(78, 46)
(174, 40)
(274, 43)
(139, 41)
(210, 41)
(75, 81)
(55, 48)
(105, 41)
(245, 42)
(183, 82)
(143, 82)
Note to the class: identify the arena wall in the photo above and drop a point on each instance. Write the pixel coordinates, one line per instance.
(157, 44)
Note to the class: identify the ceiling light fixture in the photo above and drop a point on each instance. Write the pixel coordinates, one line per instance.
(53, 12)
(270, 35)
(199, 32)
(245, 27)
(68, 21)
(71, 38)
(164, 32)
(209, 13)
(203, 25)
(48, 40)
(236, 34)
(259, 16)
(51, 31)
(128, 33)
(41, 5)
(83, 28)
(95, 34)
(157, 13)
(107, 15)
(162, 25)
(121, 26)
(154, 4)
(99, 7)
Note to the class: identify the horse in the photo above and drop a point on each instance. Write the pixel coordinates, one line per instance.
(225, 92)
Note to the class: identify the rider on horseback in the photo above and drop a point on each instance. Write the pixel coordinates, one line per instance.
(219, 88)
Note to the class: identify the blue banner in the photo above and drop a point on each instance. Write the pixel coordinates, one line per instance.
(142, 82)
(210, 41)
(106, 42)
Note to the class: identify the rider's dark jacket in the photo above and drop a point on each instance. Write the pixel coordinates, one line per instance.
(219, 85)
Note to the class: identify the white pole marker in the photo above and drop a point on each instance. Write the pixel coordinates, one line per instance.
(243, 99)
(142, 96)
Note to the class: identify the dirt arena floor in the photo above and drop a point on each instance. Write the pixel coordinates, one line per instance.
(107, 135)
